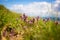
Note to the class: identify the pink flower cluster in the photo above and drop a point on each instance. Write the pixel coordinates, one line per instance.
(31, 21)
(10, 32)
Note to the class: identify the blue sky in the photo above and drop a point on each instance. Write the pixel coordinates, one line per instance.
(10, 2)
(33, 7)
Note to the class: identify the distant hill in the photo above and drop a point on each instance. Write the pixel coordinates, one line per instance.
(52, 18)
(7, 16)
(2, 7)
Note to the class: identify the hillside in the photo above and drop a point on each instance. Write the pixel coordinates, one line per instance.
(6, 15)
(15, 26)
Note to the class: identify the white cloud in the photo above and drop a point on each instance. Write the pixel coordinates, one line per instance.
(57, 5)
(56, 8)
(57, 1)
(33, 9)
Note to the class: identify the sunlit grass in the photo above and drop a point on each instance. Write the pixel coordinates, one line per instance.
(15, 27)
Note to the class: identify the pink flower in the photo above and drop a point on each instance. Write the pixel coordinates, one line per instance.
(48, 19)
(56, 22)
(30, 22)
(37, 18)
(45, 20)
(5, 33)
(20, 16)
(13, 33)
(33, 20)
(27, 21)
(24, 15)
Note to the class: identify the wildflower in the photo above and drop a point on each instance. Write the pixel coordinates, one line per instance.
(48, 19)
(30, 22)
(24, 15)
(37, 18)
(56, 22)
(13, 33)
(5, 33)
(25, 18)
(21, 17)
(45, 20)
(33, 20)
(27, 21)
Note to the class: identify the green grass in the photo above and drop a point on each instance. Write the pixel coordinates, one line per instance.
(37, 31)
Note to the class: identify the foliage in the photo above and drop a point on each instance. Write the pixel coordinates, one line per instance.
(17, 24)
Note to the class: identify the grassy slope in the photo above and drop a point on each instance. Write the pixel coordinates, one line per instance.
(37, 31)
